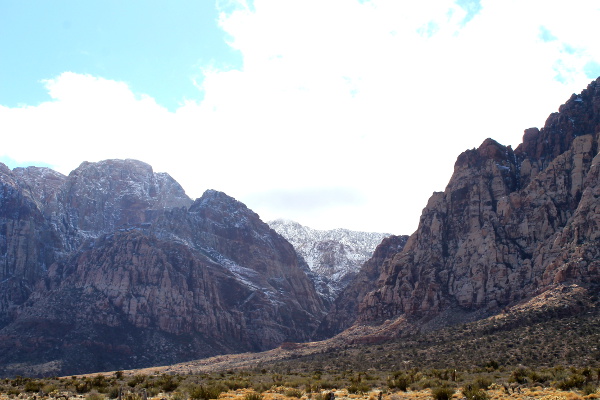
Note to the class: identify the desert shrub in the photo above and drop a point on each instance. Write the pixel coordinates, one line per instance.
(427, 383)
(82, 387)
(293, 393)
(119, 374)
(132, 396)
(99, 381)
(474, 393)
(323, 396)
(48, 388)
(178, 396)
(326, 385)
(253, 396)
(205, 392)
(589, 389)
(167, 383)
(32, 386)
(94, 396)
(400, 382)
(574, 381)
(482, 382)
(113, 392)
(136, 380)
(519, 375)
(492, 364)
(358, 387)
(442, 393)
(235, 384)
(261, 387)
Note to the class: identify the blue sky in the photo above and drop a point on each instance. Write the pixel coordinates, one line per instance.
(342, 113)
(156, 47)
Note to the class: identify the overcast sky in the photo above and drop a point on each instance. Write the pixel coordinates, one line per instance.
(333, 113)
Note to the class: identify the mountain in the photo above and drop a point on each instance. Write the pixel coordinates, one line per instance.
(344, 310)
(510, 225)
(334, 256)
(115, 267)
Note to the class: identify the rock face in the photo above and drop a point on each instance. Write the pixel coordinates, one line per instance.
(115, 267)
(333, 256)
(511, 224)
(344, 310)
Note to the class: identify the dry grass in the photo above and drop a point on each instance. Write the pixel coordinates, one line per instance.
(278, 393)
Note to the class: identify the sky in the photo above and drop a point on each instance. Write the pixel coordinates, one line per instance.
(332, 113)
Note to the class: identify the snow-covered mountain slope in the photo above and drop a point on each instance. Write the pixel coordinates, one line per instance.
(333, 255)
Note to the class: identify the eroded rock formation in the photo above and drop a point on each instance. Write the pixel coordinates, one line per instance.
(509, 225)
(115, 267)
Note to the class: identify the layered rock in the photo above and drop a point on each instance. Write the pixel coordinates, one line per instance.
(510, 224)
(28, 241)
(138, 274)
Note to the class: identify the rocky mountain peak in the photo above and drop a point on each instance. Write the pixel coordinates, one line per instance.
(580, 115)
(102, 196)
(156, 277)
(510, 224)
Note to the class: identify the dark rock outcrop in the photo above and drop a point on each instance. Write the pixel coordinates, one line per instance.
(510, 225)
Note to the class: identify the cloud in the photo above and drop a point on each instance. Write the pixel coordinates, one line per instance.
(372, 99)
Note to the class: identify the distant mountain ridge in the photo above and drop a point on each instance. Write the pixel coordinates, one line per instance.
(334, 255)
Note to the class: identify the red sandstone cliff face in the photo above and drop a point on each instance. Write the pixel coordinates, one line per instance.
(138, 274)
(509, 225)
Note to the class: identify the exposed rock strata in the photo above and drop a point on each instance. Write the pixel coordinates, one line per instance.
(115, 267)
(510, 224)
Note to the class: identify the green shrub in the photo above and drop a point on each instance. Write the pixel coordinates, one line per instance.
(358, 388)
(48, 388)
(205, 392)
(32, 386)
(474, 393)
(253, 396)
(178, 396)
(293, 393)
(136, 380)
(99, 381)
(261, 387)
(94, 396)
(113, 392)
(519, 375)
(82, 387)
(235, 384)
(401, 382)
(482, 382)
(442, 393)
(574, 381)
(167, 383)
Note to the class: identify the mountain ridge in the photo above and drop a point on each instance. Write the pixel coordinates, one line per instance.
(156, 277)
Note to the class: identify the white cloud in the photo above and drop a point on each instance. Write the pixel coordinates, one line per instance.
(378, 96)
